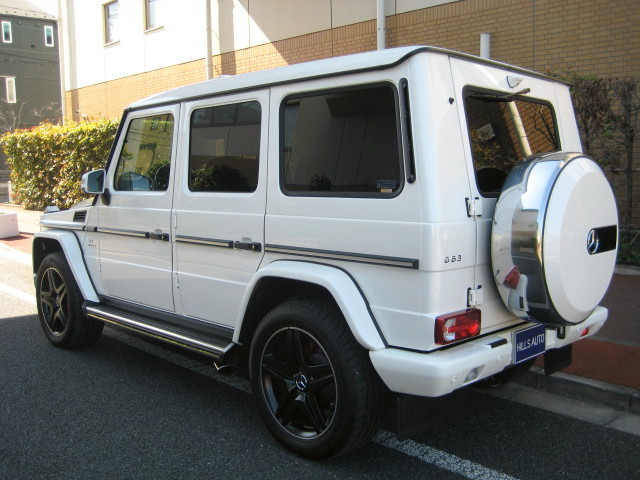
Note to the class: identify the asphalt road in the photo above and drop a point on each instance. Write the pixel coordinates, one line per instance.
(132, 408)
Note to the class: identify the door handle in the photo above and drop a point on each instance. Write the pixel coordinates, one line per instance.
(158, 236)
(252, 246)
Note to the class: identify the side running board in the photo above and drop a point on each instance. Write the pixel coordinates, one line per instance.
(205, 345)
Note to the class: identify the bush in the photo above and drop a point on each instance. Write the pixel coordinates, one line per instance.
(48, 161)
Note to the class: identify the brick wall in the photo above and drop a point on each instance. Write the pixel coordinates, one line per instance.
(600, 37)
(107, 100)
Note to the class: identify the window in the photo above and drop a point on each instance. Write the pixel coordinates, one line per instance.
(48, 36)
(10, 84)
(6, 32)
(505, 131)
(145, 160)
(342, 143)
(111, 22)
(150, 14)
(225, 148)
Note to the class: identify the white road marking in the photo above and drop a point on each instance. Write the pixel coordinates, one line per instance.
(440, 459)
(424, 453)
(14, 292)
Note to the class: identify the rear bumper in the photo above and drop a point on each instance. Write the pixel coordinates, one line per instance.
(441, 372)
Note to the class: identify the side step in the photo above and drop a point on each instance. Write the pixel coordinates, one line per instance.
(146, 326)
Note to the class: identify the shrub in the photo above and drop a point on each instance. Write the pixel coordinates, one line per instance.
(48, 161)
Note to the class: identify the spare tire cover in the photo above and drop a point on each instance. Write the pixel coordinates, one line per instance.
(554, 238)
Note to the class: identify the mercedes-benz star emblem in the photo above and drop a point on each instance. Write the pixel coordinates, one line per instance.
(593, 242)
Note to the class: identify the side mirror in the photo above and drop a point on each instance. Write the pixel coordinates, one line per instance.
(93, 182)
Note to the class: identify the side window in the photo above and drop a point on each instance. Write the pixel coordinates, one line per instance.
(145, 160)
(224, 149)
(505, 131)
(342, 143)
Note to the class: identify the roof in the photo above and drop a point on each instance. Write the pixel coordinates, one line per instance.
(360, 62)
(23, 8)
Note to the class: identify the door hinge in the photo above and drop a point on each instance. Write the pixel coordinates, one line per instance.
(475, 296)
(474, 207)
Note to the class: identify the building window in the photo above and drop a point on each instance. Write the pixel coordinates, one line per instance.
(6, 32)
(48, 36)
(150, 20)
(111, 22)
(10, 84)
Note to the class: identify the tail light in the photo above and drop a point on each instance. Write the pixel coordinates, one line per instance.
(457, 326)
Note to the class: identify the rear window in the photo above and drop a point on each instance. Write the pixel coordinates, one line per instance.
(504, 130)
(342, 143)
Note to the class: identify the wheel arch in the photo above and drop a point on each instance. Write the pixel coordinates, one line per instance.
(282, 280)
(48, 242)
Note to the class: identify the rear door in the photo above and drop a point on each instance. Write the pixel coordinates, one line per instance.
(501, 127)
(220, 204)
(134, 226)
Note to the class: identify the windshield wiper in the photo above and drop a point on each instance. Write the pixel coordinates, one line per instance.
(507, 97)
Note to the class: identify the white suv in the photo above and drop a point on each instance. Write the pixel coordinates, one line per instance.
(408, 219)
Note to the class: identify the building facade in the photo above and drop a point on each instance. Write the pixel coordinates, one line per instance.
(29, 72)
(119, 51)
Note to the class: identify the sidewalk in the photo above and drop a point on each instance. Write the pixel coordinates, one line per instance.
(605, 367)
(28, 224)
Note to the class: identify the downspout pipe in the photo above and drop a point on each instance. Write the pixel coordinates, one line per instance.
(207, 61)
(381, 24)
(485, 52)
(62, 44)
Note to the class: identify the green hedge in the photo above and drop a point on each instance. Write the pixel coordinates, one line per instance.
(48, 161)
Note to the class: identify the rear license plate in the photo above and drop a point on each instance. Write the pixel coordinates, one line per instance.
(528, 343)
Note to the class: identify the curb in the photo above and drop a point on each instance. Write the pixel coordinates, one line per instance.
(627, 270)
(585, 389)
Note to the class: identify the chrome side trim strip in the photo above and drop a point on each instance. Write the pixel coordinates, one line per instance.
(211, 242)
(126, 233)
(62, 225)
(156, 332)
(412, 263)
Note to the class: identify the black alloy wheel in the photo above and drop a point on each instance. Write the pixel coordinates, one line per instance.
(298, 382)
(60, 305)
(54, 301)
(313, 384)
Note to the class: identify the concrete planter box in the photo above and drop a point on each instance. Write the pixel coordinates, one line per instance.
(8, 225)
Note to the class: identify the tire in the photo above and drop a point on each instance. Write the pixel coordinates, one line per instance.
(60, 305)
(314, 385)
